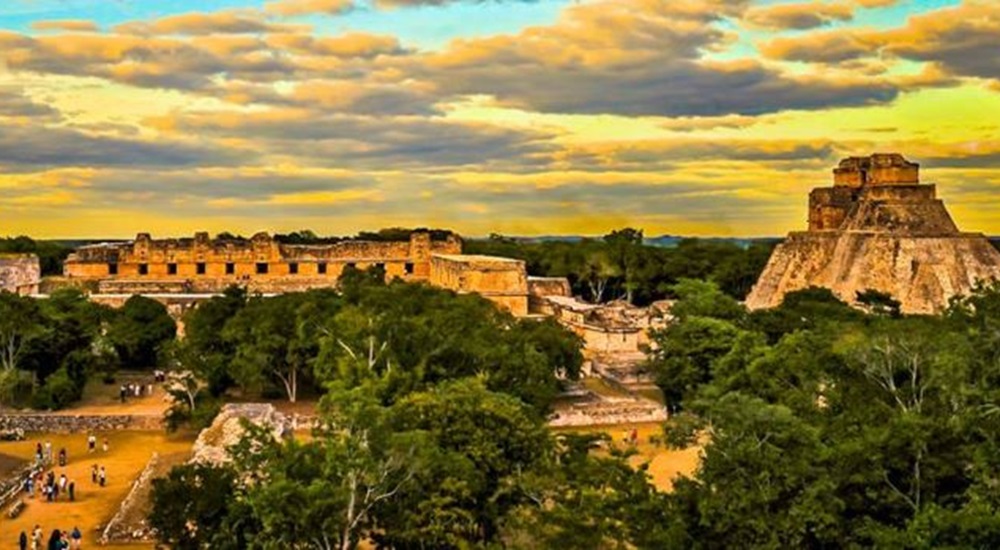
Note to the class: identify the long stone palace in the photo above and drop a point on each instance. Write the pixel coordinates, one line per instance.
(183, 271)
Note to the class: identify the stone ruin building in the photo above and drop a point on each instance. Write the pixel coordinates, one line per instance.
(179, 272)
(20, 273)
(878, 228)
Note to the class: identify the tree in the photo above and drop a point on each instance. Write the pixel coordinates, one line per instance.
(139, 331)
(20, 321)
(276, 338)
(190, 505)
(203, 349)
(598, 273)
(585, 499)
(625, 252)
(482, 441)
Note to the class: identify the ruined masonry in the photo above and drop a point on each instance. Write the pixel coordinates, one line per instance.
(20, 273)
(878, 228)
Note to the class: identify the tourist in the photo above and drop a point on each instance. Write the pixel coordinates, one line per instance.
(62, 482)
(62, 456)
(91, 443)
(36, 538)
(29, 486)
(48, 452)
(39, 457)
(72, 491)
(76, 537)
(55, 540)
(55, 492)
(102, 477)
(93, 473)
(104, 447)
(121, 393)
(22, 541)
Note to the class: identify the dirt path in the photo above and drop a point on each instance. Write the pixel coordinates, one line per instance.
(128, 454)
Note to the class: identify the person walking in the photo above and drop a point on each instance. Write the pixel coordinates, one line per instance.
(105, 446)
(36, 538)
(121, 393)
(102, 477)
(48, 452)
(72, 491)
(91, 443)
(93, 473)
(76, 538)
(62, 457)
(22, 541)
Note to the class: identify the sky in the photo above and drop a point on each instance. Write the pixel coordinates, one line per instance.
(683, 117)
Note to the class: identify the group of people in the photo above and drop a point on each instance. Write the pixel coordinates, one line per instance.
(92, 444)
(51, 487)
(58, 540)
(133, 389)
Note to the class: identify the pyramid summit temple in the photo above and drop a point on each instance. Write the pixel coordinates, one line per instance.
(878, 228)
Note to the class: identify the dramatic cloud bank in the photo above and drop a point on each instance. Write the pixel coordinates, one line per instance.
(698, 116)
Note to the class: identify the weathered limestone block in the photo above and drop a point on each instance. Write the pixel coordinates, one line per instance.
(501, 280)
(227, 430)
(20, 273)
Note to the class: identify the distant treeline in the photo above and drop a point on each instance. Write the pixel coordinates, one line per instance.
(389, 234)
(622, 264)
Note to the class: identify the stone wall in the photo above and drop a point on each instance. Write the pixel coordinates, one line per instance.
(609, 411)
(502, 280)
(66, 423)
(117, 528)
(541, 288)
(20, 273)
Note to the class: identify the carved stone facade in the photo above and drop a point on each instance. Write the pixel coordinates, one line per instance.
(204, 265)
(181, 272)
(878, 228)
(20, 273)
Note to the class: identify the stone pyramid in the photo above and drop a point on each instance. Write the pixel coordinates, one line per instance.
(878, 228)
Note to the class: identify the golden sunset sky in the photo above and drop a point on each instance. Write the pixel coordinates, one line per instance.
(693, 117)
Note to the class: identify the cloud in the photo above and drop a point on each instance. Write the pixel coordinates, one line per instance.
(138, 60)
(631, 57)
(65, 25)
(370, 142)
(799, 16)
(832, 46)
(963, 39)
(38, 146)
(958, 41)
(223, 22)
(305, 7)
(14, 104)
